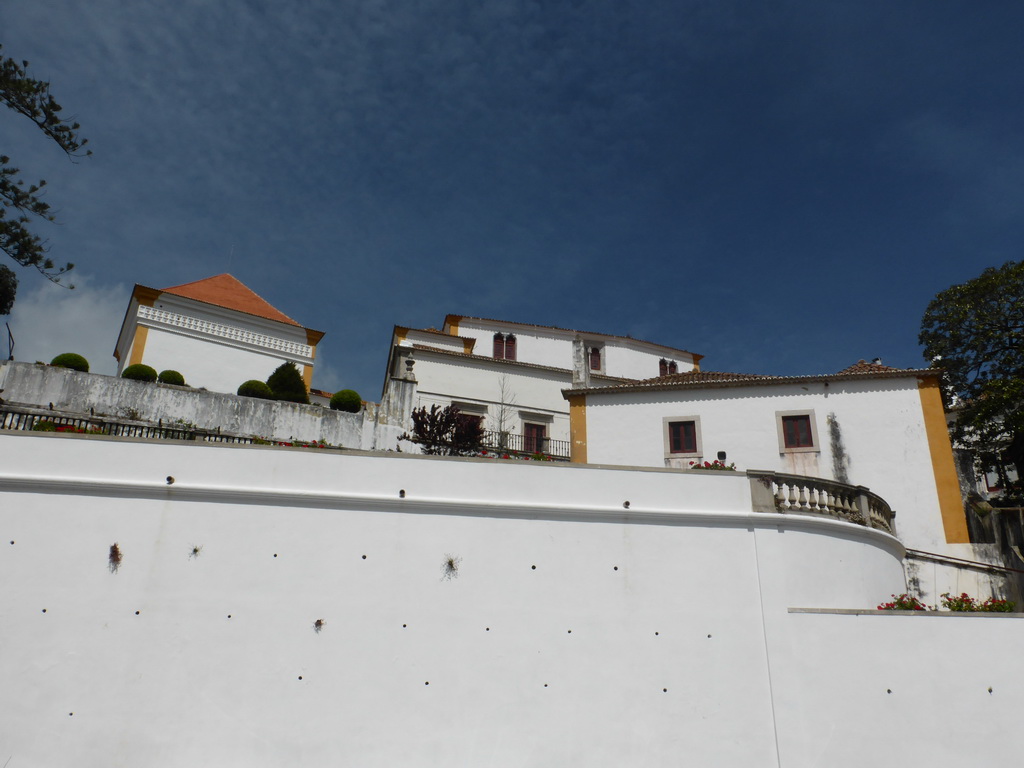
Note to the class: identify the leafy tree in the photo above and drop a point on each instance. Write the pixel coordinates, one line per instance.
(446, 432)
(8, 289)
(975, 333)
(286, 383)
(18, 203)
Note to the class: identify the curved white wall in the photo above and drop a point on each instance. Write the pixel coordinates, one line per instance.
(574, 632)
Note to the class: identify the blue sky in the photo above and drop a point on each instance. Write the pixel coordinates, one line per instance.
(780, 187)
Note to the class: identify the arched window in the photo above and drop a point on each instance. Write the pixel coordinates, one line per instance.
(663, 367)
(499, 346)
(673, 368)
(510, 347)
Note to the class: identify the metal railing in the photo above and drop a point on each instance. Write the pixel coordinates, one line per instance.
(26, 419)
(795, 494)
(507, 441)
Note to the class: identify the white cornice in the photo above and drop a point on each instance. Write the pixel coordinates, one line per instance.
(199, 328)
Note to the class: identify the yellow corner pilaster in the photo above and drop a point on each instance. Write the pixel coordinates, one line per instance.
(138, 344)
(578, 429)
(954, 520)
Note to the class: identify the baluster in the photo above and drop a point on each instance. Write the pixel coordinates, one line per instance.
(803, 503)
(780, 496)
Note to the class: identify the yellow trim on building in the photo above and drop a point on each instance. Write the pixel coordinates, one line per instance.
(453, 326)
(578, 429)
(951, 506)
(400, 334)
(467, 346)
(138, 344)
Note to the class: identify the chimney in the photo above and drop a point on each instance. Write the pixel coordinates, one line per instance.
(580, 365)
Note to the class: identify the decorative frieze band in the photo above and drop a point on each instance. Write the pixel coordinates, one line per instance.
(208, 328)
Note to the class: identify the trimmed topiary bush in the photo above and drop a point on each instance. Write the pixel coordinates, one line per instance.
(256, 388)
(286, 383)
(346, 400)
(171, 377)
(139, 372)
(71, 360)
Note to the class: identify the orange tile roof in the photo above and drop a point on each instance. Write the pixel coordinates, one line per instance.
(698, 379)
(229, 292)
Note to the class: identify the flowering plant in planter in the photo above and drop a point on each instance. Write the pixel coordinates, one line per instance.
(716, 464)
(964, 603)
(903, 602)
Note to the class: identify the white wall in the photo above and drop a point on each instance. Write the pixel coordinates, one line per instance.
(206, 363)
(442, 380)
(622, 357)
(217, 363)
(699, 605)
(881, 422)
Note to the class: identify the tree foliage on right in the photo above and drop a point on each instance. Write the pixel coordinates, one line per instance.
(20, 203)
(975, 333)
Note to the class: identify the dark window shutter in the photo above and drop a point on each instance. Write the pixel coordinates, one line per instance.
(595, 358)
(510, 347)
(663, 367)
(499, 346)
(673, 368)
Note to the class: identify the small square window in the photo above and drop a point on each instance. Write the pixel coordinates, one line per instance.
(797, 431)
(682, 436)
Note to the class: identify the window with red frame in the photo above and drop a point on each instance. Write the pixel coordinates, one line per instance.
(499, 346)
(534, 437)
(682, 437)
(510, 347)
(796, 432)
(595, 358)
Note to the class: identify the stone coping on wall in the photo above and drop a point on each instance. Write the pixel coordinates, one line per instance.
(876, 612)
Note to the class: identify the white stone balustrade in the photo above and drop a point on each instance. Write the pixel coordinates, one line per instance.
(796, 494)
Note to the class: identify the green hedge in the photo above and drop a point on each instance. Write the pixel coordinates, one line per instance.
(71, 360)
(139, 372)
(346, 400)
(171, 377)
(256, 388)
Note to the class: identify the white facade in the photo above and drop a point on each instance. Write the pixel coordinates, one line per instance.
(883, 430)
(573, 631)
(457, 366)
(213, 346)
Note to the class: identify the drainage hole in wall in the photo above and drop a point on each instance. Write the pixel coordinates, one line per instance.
(533, 567)
(990, 689)
(625, 505)
(401, 494)
(275, 554)
(12, 542)
(615, 567)
(229, 615)
(364, 557)
(404, 626)
(136, 613)
(570, 631)
(300, 677)
(709, 635)
(664, 690)
(888, 690)
(427, 682)
(487, 629)
(170, 480)
(655, 634)
(545, 685)
(44, 610)
(71, 714)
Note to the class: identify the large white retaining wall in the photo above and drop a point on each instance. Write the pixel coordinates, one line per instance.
(572, 631)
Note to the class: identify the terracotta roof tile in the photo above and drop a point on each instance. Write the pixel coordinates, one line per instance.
(229, 292)
(862, 367)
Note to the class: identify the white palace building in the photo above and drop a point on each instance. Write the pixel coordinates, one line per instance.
(210, 601)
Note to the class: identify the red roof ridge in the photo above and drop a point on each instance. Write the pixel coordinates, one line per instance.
(227, 291)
